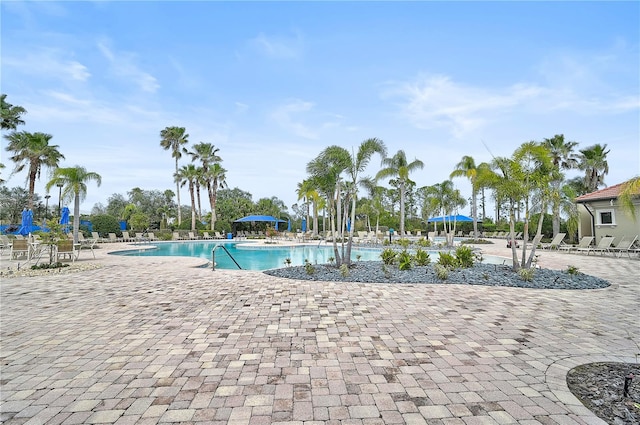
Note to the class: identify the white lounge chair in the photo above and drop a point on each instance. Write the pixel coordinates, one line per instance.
(585, 242)
(624, 245)
(555, 242)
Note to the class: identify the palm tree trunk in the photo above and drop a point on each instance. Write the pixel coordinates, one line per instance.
(178, 195)
(401, 187)
(474, 201)
(76, 217)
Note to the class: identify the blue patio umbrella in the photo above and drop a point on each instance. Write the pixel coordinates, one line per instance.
(26, 224)
(304, 225)
(288, 225)
(64, 219)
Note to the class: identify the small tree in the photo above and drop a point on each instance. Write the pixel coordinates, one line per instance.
(52, 237)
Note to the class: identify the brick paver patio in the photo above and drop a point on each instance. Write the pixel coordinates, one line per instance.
(151, 340)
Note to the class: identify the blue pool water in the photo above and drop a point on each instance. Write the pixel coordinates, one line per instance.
(249, 256)
(261, 257)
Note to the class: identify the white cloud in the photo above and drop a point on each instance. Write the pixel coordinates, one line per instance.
(49, 64)
(278, 47)
(284, 116)
(123, 65)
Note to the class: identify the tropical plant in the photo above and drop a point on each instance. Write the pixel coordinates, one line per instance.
(74, 185)
(630, 190)
(467, 168)
(388, 256)
(563, 157)
(464, 256)
(212, 173)
(105, 224)
(442, 272)
(172, 138)
(446, 259)
(10, 115)
(443, 197)
(404, 260)
(188, 174)
(344, 270)
(593, 161)
(397, 166)
(216, 179)
(526, 274)
(32, 150)
(422, 257)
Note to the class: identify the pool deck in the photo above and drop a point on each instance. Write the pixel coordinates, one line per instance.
(146, 340)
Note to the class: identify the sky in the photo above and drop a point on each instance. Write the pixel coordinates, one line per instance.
(271, 84)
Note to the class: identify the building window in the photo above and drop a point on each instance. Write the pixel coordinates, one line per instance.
(606, 217)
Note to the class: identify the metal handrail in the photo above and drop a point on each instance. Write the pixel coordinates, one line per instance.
(213, 256)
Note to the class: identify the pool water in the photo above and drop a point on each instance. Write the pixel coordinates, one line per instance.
(262, 257)
(249, 256)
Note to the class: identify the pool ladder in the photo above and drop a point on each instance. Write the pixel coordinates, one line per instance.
(213, 256)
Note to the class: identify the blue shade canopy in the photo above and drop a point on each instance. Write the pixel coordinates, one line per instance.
(251, 218)
(26, 226)
(459, 218)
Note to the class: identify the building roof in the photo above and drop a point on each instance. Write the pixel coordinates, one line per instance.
(611, 192)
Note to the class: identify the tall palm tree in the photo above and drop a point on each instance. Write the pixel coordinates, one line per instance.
(217, 179)
(593, 161)
(10, 115)
(189, 174)
(207, 154)
(397, 166)
(74, 184)
(563, 157)
(306, 193)
(32, 150)
(173, 138)
(467, 168)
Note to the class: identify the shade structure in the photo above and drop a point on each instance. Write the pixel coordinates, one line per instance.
(64, 218)
(263, 218)
(458, 218)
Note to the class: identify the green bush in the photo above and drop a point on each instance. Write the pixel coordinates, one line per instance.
(422, 257)
(344, 270)
(447, 260)
(404, 243)
(441, 271)
(424, 242)
(526, 274)
(464, 256)
(404, 260)
(388, 256)
(105, 224)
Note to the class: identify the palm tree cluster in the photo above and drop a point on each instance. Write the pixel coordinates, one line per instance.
(526, 183)
(33, 152)
(209, 175)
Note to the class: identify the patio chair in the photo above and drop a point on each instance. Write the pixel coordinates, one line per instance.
(66, 250)
(112, 237)
(603, 246)
(5, 243)
(176, 236)
(126, 237)
(555, 242)
(193, 236)
(624, 245)
(585, 242)
(20, 249)
(206, 235)
(152, 237)
(89, 244)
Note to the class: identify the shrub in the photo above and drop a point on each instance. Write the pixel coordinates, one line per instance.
(464, 256)
(344, 270)
(388, 256)
(308, 267)
(105, 224)
(447, 260)
(442, 272)
(422, 257)
(404, 243)
(526, 274)
(43, 266)
(424, 242)
(404, 260)
(573, 270)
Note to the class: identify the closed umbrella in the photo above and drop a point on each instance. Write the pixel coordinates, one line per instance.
(26, 222)
(64, 219)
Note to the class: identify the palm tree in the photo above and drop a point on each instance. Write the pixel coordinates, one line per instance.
(189, 174)
(10, 115)
(74, 183)
(172, 138)
(467, 168)
(216, 179)
(397, 166)
(207, 154)
(563, 158)
(308, 193)
(32, 150)
(630, 190)
(593, 161)
(443, 197)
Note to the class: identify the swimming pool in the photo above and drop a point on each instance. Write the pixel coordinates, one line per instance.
(248, 255)
(251, 256)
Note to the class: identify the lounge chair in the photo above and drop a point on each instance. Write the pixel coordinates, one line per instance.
(89, 244)
(555, 242)
(206, 235)
(65, 249)
(152, 237)
(585, 242)
(112, 237)
(126, 237)
(5, 243)
(176, 236)
(603, 246)
(193, 236)
(624, 245)
(20, 249)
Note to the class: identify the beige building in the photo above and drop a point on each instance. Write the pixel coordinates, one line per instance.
(601, 215)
